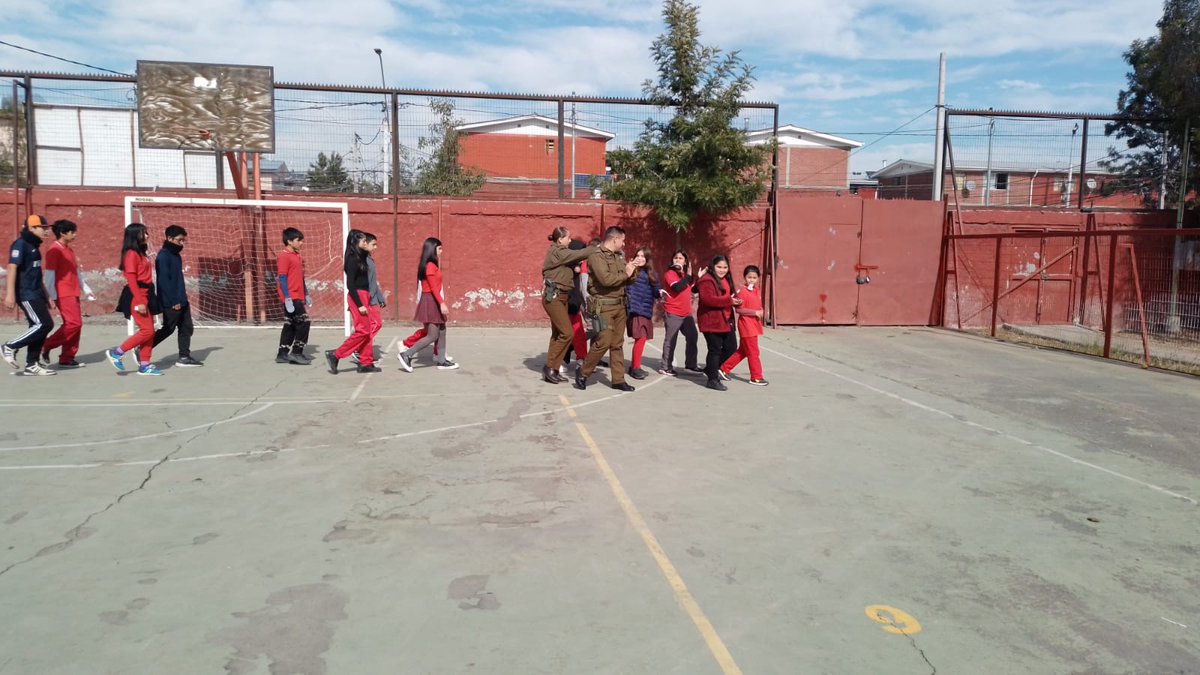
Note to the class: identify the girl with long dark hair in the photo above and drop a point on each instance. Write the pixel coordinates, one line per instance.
(715, 318)
(363, 315)
(136, 268)
(641, 293)
(678, 287)
(431, 308)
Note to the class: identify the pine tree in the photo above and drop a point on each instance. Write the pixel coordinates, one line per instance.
(440, 173)
(697, 161)
(328, 174)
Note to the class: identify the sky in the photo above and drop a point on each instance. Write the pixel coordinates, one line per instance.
(860, 69)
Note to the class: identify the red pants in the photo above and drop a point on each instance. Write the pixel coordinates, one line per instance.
(67, 336)
(416, 337)
(578, 338)
(366, 327)
(143, 339)
(747, 349)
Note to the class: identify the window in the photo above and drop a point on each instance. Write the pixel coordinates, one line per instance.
(549, 146)
(1001, 181)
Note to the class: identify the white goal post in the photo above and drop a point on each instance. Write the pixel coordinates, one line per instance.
(229, 258)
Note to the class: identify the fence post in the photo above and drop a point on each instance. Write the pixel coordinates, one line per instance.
(395, 124)
(1083, 162)
(996, 283)
(1112, 294)
(561, 157)
(30, 137)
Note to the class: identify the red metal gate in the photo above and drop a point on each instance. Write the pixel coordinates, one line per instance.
(848, 261)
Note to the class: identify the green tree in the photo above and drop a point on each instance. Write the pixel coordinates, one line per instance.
(440, 172)
(9, 150)
(1162, 95)
(328, 174)
(697, 161)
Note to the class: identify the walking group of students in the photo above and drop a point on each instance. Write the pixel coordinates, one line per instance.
(594, 286)
(40, 283)
(591, 291)
(366, 298)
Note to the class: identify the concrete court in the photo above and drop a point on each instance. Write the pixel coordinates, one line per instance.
(1021, 510)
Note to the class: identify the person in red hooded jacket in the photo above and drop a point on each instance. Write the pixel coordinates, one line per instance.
(749, 327)
(136, 268)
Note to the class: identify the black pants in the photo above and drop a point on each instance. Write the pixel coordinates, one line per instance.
(177, 318)
(37, 313)
(295, 329)
(721, 346)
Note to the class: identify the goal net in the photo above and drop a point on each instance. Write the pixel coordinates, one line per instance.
(229, 259)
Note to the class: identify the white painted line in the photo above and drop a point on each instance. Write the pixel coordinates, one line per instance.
(1022, 441)
(131, 439)
(1174, 622)
(157, 404)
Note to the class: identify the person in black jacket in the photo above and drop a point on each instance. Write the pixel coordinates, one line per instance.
(172, 296)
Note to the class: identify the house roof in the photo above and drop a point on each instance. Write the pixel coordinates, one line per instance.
(908, 167)
(532, 125)
(790, 134)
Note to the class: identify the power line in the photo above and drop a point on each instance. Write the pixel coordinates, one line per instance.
(78, 63)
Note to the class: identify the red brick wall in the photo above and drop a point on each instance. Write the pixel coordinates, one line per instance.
(512, 156)
(813, 167)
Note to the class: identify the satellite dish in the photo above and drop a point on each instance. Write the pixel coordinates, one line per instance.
(1091, 183)
(970, 185)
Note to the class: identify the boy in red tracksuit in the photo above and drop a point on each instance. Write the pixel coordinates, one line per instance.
(749, 327)
(293, 293)
(60, 268)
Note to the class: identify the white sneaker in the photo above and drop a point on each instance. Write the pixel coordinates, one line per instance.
(562, 370)
(724, 375)
(405, 362)
(35, 369)
(10, 355)
(447, 365)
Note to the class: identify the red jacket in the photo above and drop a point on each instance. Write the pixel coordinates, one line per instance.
(748, 324)
(60, 259)
(432, 283)
(136, 268)
(715, 313)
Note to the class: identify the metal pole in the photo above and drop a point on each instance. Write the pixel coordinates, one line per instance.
(386, 125)
(572, 148)
(939, 143)
(1083, 162)
(395, 120)
(1162, 182)
(1112, 294)
(996, 284)
(16, 146)
(561, 168)
(774, 261)
(1173, 323)
(1070, 167)
(30, 138)
(987, 181)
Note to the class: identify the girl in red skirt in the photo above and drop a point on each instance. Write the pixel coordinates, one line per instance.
(139, 280)
(641, 296)
(431, 308)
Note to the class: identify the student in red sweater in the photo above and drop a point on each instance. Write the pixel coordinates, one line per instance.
(677, 313)
(293, 293)
(431, 308)
(139, 283)
(749, 327)
(715, 318)
(61, 271)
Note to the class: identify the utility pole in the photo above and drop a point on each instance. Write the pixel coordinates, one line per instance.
(384, 126)
(987, 180)
(939, 142)
(1070, 166)
(572, 147)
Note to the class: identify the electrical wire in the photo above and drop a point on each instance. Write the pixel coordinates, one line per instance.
(59, 58)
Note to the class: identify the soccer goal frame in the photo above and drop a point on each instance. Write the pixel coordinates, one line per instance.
(133, 201)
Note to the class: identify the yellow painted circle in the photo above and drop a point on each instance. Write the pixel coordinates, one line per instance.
(894, 621)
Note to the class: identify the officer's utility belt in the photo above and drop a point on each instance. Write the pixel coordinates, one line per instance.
(605, 302)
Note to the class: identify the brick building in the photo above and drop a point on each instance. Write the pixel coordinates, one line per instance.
(520, 154)
(1010, 185)
(809, 160)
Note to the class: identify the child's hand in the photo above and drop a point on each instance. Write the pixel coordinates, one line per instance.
(362, 310)
(308, 301)
(289, 305)
(737, 302)
(445, 310)
(758, 313)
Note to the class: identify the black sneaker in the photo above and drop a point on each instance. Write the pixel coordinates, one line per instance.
(307, 359)
(624, 386)
(405, 362)
(332, 361)
(717, 384)
(281, 358)
(369, 369)
(188, 362)
(296, 359)
(580, 380)
(637, 373)
(71, 364)
(759, 383)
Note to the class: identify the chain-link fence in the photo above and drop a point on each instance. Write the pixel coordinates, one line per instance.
(1126, 294)
(1011, 159)
(355, 140)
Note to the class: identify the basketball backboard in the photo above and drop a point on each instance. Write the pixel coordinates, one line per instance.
(206, 106)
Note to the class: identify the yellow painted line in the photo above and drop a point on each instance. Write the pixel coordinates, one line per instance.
(682, 595)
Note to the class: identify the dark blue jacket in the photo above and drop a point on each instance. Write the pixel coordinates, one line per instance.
(25, 255)
(168, 271)
(641, 294)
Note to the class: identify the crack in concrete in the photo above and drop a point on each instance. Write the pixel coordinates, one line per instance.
(932, 668)
(80, 531)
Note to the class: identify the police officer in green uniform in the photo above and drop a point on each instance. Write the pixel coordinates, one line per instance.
(608, 275)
